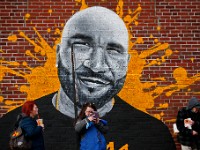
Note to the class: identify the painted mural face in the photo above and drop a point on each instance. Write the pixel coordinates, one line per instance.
(99, 39)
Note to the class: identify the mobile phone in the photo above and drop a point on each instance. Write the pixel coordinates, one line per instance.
(96, 114)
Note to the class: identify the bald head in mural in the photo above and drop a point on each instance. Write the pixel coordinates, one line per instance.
(99, 39)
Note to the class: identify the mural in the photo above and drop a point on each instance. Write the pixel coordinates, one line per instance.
(43, 80)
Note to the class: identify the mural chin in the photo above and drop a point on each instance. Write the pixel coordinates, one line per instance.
(98, 95)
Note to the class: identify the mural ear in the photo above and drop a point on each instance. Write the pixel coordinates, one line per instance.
(57, 54)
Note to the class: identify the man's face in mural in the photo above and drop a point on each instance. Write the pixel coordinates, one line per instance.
(100, 42)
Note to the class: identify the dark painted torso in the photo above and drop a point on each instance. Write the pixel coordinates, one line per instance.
(127, 125)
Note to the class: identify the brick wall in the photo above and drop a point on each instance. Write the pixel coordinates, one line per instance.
(179, 22)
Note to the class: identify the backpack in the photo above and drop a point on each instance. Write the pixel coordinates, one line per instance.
(18, 141)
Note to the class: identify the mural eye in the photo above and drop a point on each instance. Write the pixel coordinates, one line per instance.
(113, 50)
(82, 44)
(82, 47)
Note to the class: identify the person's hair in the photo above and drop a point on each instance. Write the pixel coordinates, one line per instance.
(28, 107)
(83, 109)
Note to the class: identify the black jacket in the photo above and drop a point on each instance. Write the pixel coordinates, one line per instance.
(185, 136)
(127, 125)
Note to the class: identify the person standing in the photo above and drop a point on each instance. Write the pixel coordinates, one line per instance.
(90, 129)
(188, 124)
(32, 128)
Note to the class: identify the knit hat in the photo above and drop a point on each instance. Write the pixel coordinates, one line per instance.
(193, 102)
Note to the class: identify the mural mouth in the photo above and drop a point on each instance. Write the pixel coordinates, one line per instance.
(93, 81)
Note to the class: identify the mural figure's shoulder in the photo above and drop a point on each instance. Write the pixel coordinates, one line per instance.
(45, 100)
(140, 126)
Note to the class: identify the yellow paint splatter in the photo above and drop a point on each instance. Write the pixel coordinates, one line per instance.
(28, 53)
(140, 40)
(182, 80)
(161, 106)
(11, 102)
(157, 116)
(11, 63)
(158, 28)
(192, 59)
(50, 11)
(48, 30)
(27, 16)
(176, 51)
(171, 120)
(133, 17)
(156, 41)
(159, 79)
(57, 31)
(62, 25)
(1, 99)
(119, 8)
(12, 38)
(83, 4)
(196, 92)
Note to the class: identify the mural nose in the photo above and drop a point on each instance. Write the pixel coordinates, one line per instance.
(97, 62)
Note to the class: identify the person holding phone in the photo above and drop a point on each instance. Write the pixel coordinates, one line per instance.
(90, 129)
